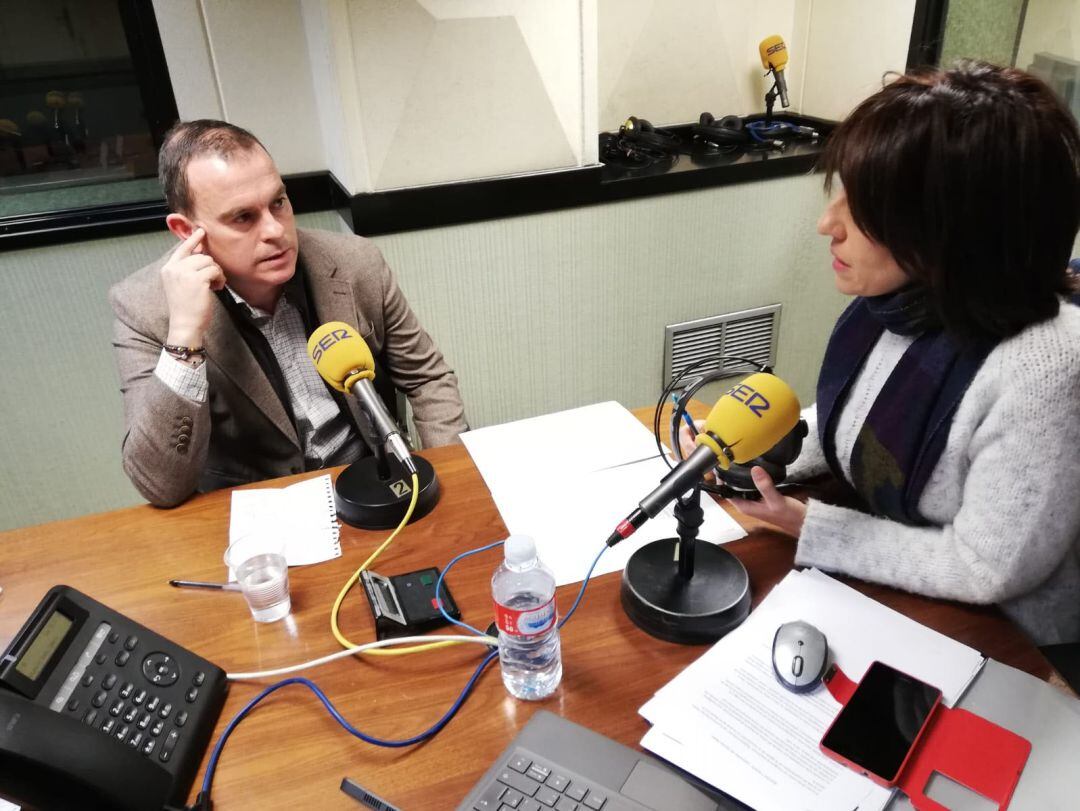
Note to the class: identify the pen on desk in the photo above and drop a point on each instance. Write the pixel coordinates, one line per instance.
(362, 795)
(199, 584)
(689, 420)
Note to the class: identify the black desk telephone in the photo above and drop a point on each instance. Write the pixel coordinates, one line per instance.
(97, 711)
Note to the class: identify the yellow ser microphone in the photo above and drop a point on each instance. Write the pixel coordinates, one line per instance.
(344, 360)
(774, 58)
(748, 420)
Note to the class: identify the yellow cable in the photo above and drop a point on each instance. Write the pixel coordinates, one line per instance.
(345, 643)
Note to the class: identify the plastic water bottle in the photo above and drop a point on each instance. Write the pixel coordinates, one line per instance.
(524, 593)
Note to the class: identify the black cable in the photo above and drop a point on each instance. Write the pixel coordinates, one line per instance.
(687, 395)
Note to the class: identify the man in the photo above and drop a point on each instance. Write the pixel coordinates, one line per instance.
(211, 338)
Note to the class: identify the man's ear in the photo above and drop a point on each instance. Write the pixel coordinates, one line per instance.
(180, 225)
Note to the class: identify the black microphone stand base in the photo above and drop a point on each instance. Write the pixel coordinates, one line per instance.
(691, 611)
(367, 501)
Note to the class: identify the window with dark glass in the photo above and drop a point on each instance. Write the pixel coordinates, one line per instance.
(84, 102)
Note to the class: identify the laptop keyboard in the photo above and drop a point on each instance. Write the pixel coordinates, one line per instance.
(526, 782)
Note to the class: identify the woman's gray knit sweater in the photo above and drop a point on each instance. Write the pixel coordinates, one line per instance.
(1004, 497)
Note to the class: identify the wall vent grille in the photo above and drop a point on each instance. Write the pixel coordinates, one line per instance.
(750, 334)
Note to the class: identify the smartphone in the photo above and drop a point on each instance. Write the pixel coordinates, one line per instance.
(879, 727)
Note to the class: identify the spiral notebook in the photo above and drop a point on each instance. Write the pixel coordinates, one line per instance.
(302, 516)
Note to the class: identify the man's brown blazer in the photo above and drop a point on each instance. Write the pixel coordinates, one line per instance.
(174, 446)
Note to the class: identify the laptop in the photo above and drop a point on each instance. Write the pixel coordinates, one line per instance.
(557, 764)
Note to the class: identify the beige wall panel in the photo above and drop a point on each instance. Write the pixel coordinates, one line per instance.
(260, 56)
(451, 91)
(556, 310)
(187, 54)
(850, 46)
(1051, 26)
(668, 61)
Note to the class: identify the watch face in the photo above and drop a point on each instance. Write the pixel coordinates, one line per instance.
(876, 729)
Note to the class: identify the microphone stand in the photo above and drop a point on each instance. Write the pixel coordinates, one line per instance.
(374, 491)
(678, 592)
(689, 517)
(770, 97)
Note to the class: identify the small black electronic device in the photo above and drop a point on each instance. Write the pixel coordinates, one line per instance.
(99, 712)
(404, 604)
(879, 725)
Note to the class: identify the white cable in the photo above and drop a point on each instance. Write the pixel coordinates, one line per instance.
(341, 654)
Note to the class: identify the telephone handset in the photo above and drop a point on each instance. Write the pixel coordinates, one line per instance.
(97, 711)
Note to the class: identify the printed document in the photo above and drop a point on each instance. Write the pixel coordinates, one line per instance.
(728, 721)
(568, 479)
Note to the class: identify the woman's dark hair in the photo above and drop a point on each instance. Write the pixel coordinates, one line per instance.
(970, 177)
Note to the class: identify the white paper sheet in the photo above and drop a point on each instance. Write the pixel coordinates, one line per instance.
(727, 720)
(568, 479)
(302, 516)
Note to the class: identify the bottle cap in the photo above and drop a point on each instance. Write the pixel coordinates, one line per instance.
(519, 549)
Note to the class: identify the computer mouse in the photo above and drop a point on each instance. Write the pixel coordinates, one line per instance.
(800, 653)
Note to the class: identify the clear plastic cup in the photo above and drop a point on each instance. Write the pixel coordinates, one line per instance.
(259, 565)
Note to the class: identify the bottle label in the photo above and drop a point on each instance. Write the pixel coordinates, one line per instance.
(530, 622)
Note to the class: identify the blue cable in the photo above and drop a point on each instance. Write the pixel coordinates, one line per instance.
(584, 583)
(211, 765)
(761, 130)
(439, 582)
(442, 574)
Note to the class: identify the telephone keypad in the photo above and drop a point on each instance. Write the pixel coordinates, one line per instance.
(131, 715)
(128, 682)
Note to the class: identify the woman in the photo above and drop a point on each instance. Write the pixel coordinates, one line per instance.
(949, 396)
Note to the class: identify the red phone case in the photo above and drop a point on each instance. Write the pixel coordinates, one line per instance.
(832, 680)
(976, 753)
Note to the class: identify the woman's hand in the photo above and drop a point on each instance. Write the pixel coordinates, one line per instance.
(782, 511)
(686, 439)
(688, 446)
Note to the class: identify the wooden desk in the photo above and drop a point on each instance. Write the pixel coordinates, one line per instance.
(289, 753)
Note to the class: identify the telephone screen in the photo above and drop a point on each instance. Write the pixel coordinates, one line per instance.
(35, 657)
(876, 728)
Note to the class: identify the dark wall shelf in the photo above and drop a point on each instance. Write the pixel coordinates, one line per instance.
(455, 203)
(452, 203)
